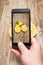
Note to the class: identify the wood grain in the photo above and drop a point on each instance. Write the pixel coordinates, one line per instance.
(2, 3)
(36, 7)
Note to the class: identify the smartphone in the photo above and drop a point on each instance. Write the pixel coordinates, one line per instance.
(17, 16)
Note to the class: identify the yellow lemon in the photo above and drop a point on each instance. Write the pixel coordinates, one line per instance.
(20, 23)
(10, 22)
(10, 32)
(17, 29)
(33, 30)
(24, 28)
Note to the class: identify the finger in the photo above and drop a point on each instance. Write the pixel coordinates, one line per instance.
(33, 41)
(17, 53)
(34, 44)
(22, 47)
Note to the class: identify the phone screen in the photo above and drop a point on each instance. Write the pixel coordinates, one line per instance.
(20, 27)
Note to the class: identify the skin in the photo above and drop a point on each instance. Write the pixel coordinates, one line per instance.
(30, 56)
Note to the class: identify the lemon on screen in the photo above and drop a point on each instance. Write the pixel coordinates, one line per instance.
(33, 30)
(17, 29)
(20, 23)
(10, 32)
(24, 28)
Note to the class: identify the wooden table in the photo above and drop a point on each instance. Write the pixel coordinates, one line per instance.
(36, 6)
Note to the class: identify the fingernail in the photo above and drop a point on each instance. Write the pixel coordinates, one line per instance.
(20, 43)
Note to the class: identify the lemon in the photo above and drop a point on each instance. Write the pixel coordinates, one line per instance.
(33, 30)
(10, 22)
(10, 32)
(17, 29)
(20, 23)
(24, 28)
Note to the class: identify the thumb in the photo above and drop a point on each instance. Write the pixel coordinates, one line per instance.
(22, 47)
(33, 41)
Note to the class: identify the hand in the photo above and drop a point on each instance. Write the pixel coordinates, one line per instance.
(30, 56)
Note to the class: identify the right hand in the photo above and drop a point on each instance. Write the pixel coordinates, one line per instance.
(32, 56)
